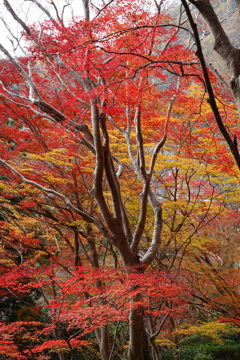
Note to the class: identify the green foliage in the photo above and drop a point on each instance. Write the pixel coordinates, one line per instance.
(196, 347)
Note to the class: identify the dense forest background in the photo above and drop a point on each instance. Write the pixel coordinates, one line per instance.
(119, 181)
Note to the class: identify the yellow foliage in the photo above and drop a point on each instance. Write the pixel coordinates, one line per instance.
(215, 330)
(55, 157)
(165, 342)
(77, 223)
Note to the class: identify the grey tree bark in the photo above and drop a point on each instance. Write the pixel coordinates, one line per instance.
(229, 54)
(238, 4)
(223, 46)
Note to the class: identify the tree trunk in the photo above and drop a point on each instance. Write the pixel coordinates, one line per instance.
(155, 350)
(229, 54)
(224, 47)
(104, 343)
(138, 346)
(238, 4)
(102, 335)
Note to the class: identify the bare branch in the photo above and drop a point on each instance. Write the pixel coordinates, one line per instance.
(16, 17)
(139, 138)
(148, 257)
(159, 146)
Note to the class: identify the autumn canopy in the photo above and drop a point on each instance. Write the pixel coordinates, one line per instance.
(119, 183)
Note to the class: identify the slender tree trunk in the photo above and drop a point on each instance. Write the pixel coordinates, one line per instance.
(102, 335)
(86, 9)
(155, 350)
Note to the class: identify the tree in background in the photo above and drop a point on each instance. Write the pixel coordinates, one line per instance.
(230, 57)
(113, 172)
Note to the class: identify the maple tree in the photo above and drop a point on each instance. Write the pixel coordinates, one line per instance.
(112, 171)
